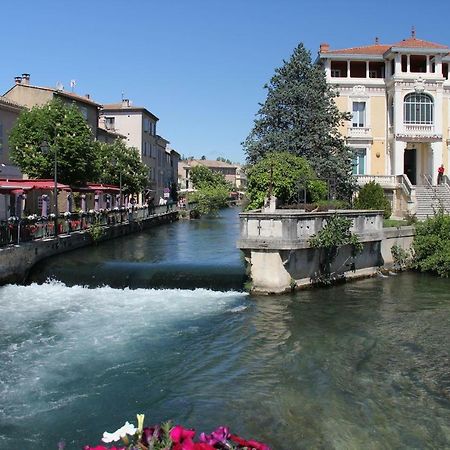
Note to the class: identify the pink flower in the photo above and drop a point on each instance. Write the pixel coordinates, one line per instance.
(102, 447)
(178, 434)
(218, 436)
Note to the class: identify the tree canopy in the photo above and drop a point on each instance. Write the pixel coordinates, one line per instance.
(115, 160)
(284, 174)
(300, 116)
(202, 176)
(65, 131)
(212, 190)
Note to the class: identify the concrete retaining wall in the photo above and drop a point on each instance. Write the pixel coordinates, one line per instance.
(16, 261)
(276, 247)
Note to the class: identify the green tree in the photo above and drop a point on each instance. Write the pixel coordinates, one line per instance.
(203, 176)
(300, 116)
(209, 199)
(284, 174)
(212, 190)
(115, 160)
(431, 245)
(372, 196)
(65, 131)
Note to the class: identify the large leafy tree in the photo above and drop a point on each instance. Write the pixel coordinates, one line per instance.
(211, 190)
(115, 161)
(64, 130)
(283, 175)
(300, 116)
(203, 176)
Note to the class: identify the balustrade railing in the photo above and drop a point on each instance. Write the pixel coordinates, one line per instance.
(359, 131)
(383, 180)
(418, 128)
(15, 230)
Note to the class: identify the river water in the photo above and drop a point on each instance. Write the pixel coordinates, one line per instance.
(364, 365)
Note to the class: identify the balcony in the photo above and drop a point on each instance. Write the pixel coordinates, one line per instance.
(363, 133)
(418, 132)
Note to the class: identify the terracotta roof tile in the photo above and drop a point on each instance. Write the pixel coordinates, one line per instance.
(376, 49)
(380, 49)
(418, 43)
(8, 102)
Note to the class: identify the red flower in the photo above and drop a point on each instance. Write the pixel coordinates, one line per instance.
(254, 445)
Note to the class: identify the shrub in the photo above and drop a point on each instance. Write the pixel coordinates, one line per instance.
(401, 257)
(431, 245)
(334, 235)
(371, 196)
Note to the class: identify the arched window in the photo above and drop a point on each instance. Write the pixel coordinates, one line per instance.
(418, 109)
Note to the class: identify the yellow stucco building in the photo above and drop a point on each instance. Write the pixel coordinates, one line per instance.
(398, 95)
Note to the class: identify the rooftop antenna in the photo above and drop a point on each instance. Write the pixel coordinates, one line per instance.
(123, 95)
(73, 83)
(59, 86)
(413, 32)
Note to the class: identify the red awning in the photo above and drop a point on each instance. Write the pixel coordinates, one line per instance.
(45, 185)
(99, 188)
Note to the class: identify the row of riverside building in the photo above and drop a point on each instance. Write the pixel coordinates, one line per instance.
(137, 126)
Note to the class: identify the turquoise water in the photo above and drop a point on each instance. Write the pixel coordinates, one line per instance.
(363, 365)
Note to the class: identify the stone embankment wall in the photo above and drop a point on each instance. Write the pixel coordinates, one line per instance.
(17, 260)
(276, 247)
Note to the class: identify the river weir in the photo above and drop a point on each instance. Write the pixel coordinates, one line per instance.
(359, 365)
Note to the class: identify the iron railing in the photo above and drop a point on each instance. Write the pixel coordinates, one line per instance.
(15, 230)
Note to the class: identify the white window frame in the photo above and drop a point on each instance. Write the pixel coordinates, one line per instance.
(335, 73)
(359, 114)
(418, 109)
(365, 169)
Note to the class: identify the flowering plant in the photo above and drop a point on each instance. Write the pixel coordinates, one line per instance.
(168, 437)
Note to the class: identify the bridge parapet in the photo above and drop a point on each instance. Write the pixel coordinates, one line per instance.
(291, 229)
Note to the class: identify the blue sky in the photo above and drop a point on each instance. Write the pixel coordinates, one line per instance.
(199, 65)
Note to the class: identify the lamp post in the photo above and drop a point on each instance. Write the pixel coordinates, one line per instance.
(116, 163)
(45, 149)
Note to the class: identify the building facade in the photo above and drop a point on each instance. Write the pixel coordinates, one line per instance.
(9, 112)
(28, 95)
(138, 126)
(398, 95)
(231, 172)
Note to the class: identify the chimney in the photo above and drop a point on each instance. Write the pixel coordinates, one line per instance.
(377, 40)
(125, 103)
(26, 79)
(87, 96)
(17, 80)
(324, 47)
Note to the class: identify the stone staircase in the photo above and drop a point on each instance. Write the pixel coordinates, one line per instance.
(430, 199)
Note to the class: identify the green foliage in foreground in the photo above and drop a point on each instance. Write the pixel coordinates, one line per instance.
(285, 173)
(371, 196)
(334, 235)
(431, 245)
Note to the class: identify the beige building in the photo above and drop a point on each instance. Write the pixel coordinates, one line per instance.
(233, 173)
(138, 125)
(28, 95)
(399, 97)
(9, 112)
